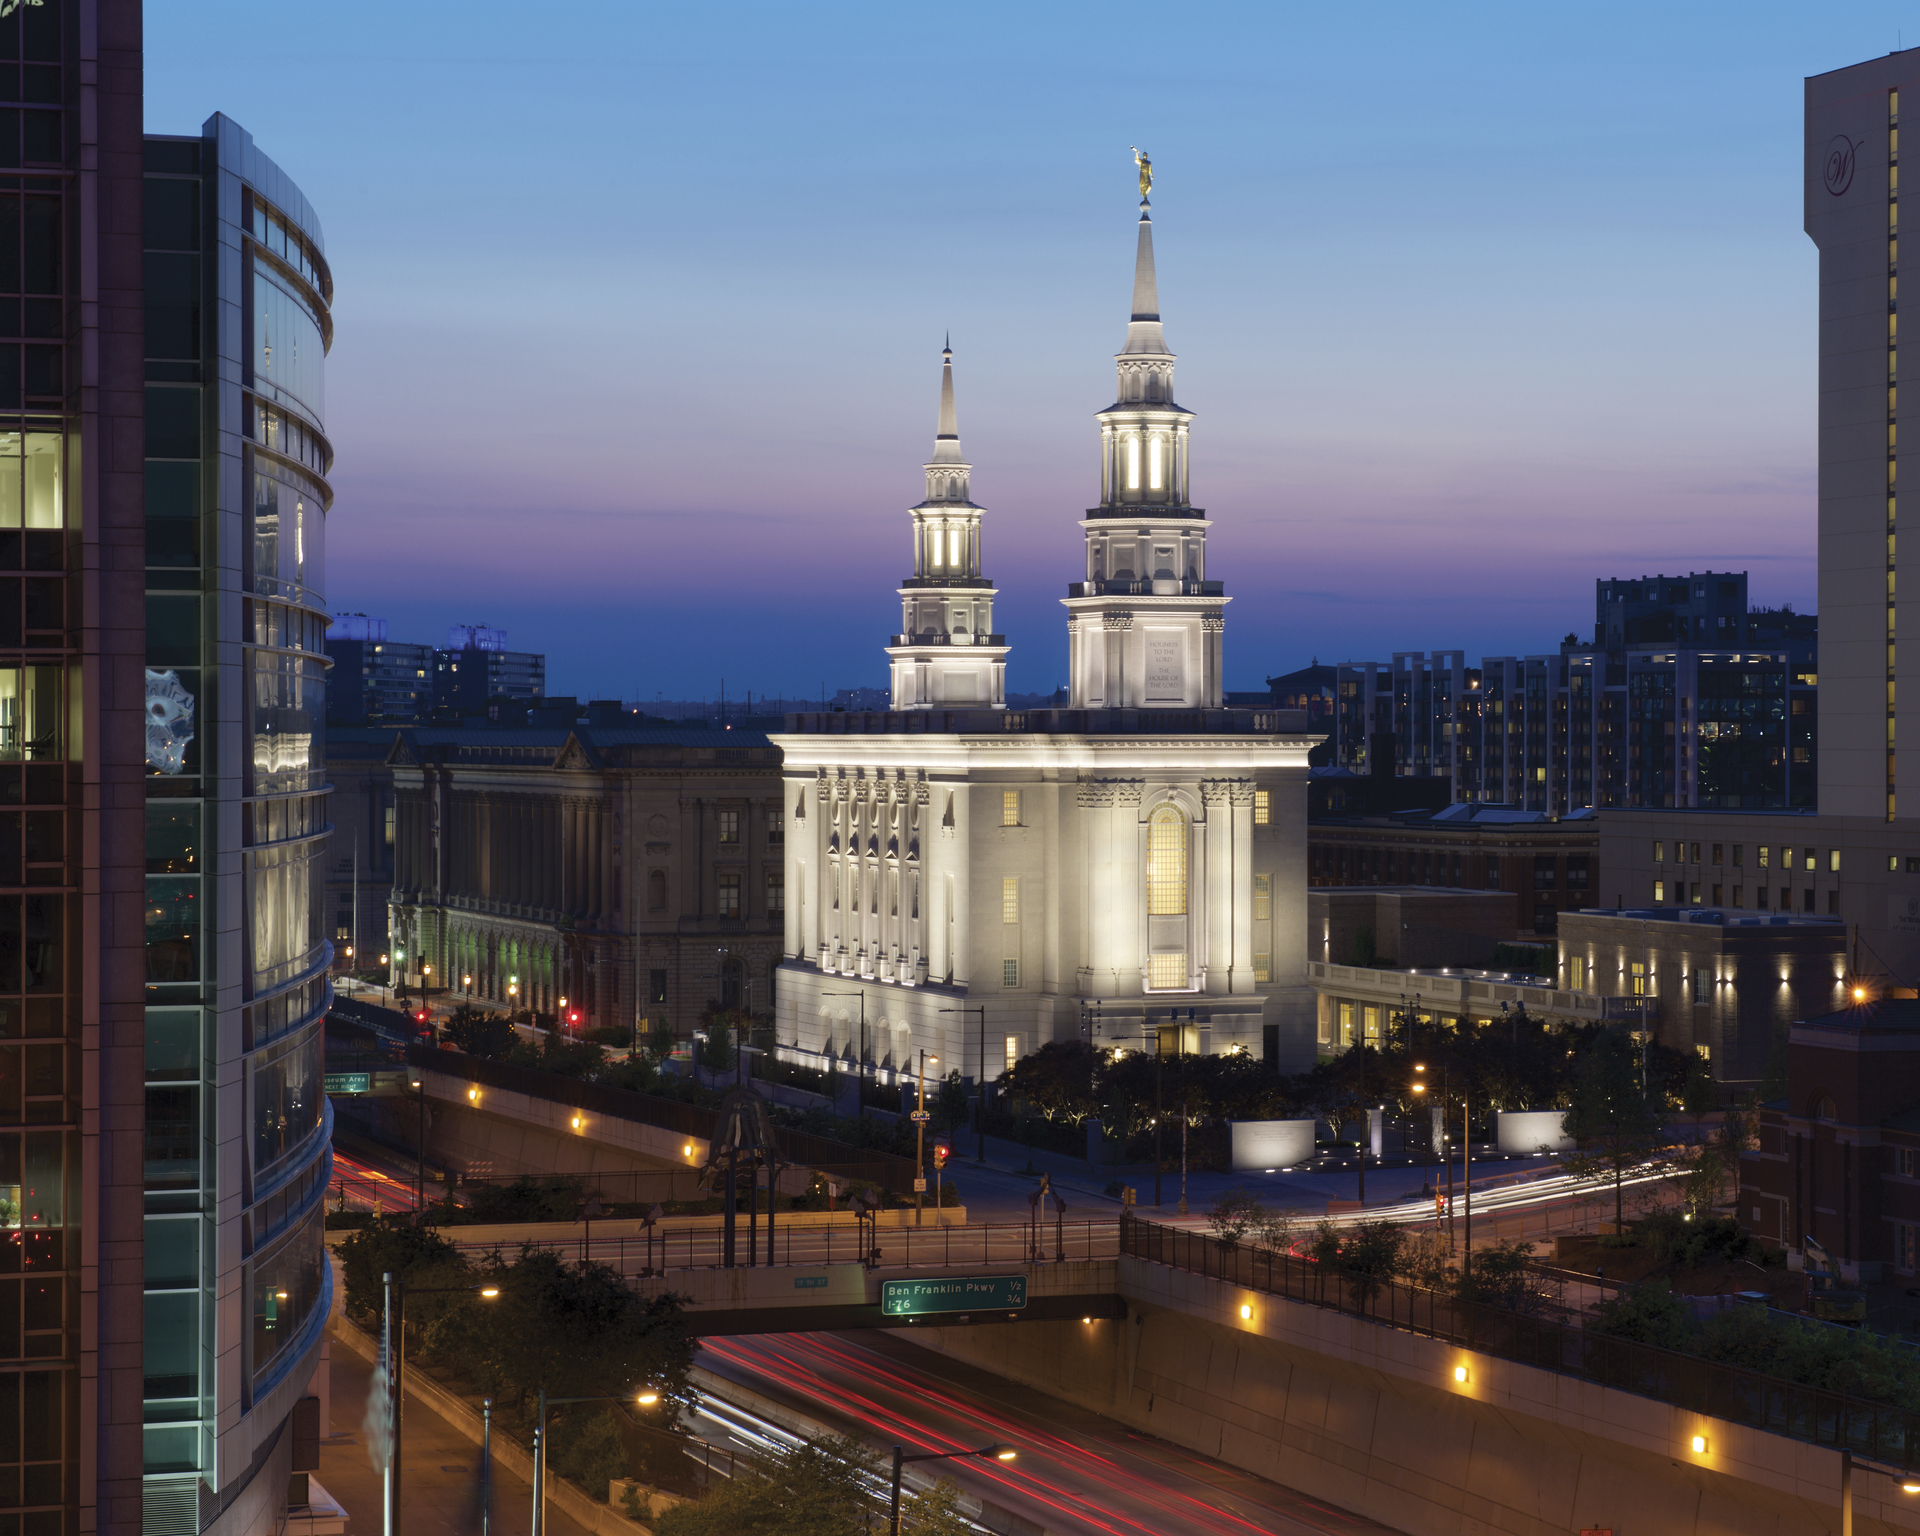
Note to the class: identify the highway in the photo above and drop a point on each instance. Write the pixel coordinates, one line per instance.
(1076, 1474)
(366, 1187)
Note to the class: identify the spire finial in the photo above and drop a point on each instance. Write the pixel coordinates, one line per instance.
(1145, 162)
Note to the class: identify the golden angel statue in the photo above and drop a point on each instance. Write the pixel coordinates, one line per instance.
(1146, 170)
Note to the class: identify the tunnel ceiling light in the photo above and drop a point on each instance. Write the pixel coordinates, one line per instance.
(1699, 1445)
(1460, 1374)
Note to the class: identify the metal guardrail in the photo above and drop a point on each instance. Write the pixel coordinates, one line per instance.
(822, 1154)
(1723, 1391)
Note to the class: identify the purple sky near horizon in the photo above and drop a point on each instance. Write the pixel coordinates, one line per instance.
(639, 310)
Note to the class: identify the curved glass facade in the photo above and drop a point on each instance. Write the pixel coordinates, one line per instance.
(235, 845)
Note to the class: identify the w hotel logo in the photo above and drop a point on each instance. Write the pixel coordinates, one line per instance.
(1838, 171)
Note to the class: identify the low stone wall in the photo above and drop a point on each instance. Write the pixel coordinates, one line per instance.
(1372, 1418)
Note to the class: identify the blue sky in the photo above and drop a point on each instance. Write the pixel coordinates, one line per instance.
(639, 308)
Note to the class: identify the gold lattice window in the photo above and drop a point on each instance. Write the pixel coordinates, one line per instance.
(1010, 900)
(1166, 973)
(1263, 807)
(1262, 898)
(1009, 807)
(1167, 863)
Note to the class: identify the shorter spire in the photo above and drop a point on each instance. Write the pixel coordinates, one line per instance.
(946, 442)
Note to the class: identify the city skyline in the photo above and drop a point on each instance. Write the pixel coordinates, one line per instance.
(1519, 306)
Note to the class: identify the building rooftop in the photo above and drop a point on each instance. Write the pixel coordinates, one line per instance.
(1715, 916)
(1061, 722)
(1481, 813)
(1894, 1014)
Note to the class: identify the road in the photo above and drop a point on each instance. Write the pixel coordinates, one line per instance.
(366, 1187)
(1077, 1474)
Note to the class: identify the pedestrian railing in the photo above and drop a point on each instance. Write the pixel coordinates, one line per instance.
(987, 1244)
(1723, 1391)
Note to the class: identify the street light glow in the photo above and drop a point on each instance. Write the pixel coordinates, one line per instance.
(648, 1398)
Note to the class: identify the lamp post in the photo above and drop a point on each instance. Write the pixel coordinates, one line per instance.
(900, 1459)
(646, 1398)
(419, 1086)
(393, 1350)
(920, 1141)
(862, 1063)
(980, 1117)
(1909, 1483)
(1426, 1145)
(383, 981)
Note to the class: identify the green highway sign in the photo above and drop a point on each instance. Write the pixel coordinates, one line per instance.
(953, 1293)
(349, 1082)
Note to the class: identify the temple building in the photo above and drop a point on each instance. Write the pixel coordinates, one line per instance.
(973, 881)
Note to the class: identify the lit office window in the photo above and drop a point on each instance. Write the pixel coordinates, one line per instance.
(1263, 807)
(729, 826)
(1010, 900)
(1009, 807)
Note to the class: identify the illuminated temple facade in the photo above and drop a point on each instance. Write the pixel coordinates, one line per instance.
(1133, 860)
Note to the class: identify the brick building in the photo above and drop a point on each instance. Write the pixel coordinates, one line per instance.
(1550, 864)
(1838, 1159)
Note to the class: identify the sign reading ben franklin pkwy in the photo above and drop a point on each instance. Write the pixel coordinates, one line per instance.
(953, 1293)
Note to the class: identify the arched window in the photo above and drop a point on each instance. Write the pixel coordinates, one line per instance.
(1823, 1107)
(1167, 900)
(1167, 863)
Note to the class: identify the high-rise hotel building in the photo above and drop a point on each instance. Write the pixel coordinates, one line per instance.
(164, 316)
(238, 312)
(1857, 854)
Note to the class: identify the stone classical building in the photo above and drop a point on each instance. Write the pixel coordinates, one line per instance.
(636, 872)
(975, 882)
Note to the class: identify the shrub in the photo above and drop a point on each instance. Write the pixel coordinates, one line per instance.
(556, 1197)
(587, 1448)
(480, 1033)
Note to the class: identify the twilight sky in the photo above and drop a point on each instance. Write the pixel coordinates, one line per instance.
(640, 307)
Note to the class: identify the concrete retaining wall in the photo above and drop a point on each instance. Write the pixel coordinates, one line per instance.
(1371, 1418)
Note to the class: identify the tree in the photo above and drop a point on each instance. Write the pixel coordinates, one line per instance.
(716, 1051)
(480, 1033)
(417, 1256)
(1060, 1080)
(660, 1039)
(950, 1103)
(578, 1330)
(819, 1488)
(1615, 1125)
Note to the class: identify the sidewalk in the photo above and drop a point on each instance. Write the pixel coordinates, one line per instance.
(439, 1491)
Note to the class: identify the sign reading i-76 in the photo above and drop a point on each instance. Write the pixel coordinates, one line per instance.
(953, 1293)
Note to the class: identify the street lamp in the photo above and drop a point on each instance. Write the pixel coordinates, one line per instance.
(383, 981)
(393, 1350)
(992, 1452)
(646, 1397)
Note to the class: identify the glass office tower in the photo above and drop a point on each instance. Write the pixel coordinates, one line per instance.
(238, 322)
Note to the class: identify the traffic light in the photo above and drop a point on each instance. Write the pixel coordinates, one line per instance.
(940, 1151)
